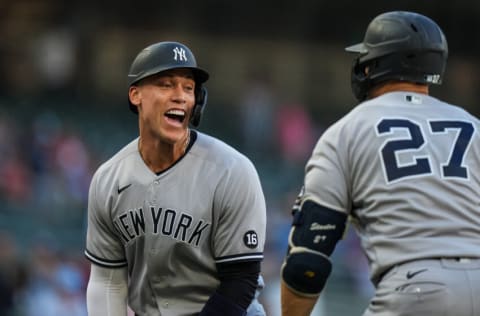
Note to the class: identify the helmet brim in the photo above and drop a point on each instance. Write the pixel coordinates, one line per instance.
(359, 48)
(200, 75)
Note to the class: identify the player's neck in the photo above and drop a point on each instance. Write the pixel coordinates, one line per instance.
(158, 155)
(397, 86)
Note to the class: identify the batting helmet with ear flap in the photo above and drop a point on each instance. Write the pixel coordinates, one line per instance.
(399, 45)
(164, 56)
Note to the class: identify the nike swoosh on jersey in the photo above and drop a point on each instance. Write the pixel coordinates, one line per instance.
(411, 274)
(121, 189)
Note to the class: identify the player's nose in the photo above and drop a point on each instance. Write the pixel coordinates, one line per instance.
(179, 94)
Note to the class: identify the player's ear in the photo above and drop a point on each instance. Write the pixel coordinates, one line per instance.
(134, 95)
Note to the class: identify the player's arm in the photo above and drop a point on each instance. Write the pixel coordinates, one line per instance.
(238, 282)
(315, 232)
(107, 291)
(294, 304)
(239, 238)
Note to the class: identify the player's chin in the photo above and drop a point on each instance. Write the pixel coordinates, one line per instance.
(174, 133)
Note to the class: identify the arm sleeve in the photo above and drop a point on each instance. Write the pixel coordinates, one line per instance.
(107, 291)
(239, 234)
(103, 244)
(238, 282)
(327, 177)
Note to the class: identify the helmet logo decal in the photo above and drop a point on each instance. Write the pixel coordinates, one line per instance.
(179, 54)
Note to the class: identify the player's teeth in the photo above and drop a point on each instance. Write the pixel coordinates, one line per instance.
(176, 112)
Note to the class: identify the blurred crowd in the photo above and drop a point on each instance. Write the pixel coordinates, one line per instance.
(40, 280)
(45, 169)
(43, 163)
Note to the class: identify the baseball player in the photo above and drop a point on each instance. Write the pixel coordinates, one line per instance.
(404, 167)
(176, 219)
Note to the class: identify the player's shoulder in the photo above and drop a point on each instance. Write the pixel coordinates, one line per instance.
(218, 152)
(404, 103)
(460, 112)
(110, 165)
(368, 113)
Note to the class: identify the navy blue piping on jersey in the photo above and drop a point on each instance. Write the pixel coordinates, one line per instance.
(104, 262)
(253, 256)
(193, 138)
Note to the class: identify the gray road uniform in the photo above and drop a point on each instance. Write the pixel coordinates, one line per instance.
(171, 229)
(405, 168)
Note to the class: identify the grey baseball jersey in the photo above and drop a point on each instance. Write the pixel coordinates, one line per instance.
(172, 228)
(405, 167)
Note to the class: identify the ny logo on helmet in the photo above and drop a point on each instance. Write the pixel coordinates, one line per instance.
(179, 54)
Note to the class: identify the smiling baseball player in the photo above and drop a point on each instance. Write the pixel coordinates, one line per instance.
(176, 219)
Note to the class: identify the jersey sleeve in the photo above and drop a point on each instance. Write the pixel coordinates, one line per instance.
(103, 245)
(239, 234)
(326, 174)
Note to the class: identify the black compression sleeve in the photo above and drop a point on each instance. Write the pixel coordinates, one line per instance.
(238, 281)
(219, 305)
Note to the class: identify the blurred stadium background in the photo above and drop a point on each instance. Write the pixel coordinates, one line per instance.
(279, 77)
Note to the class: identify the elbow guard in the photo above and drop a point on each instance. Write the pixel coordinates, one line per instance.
(315, 232)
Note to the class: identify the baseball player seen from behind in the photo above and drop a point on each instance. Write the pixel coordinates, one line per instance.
(176, 219)
(403, 166)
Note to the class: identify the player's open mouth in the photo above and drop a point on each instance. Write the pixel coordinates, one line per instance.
(176, 115)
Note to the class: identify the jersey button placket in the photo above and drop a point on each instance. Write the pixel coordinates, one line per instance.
(153, 189)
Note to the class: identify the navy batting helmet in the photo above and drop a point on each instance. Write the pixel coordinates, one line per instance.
(165, 56)
(399, 45)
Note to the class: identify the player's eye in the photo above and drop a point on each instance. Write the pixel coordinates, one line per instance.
(165, 84)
